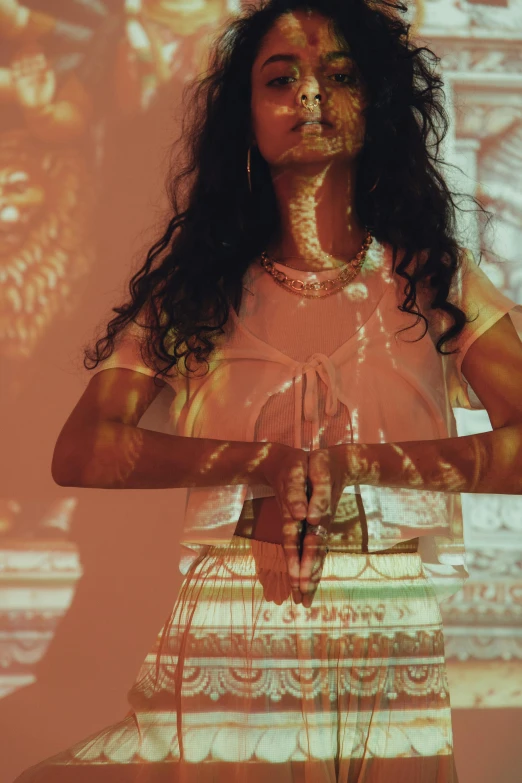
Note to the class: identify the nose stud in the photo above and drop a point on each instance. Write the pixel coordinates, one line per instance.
(310, 106)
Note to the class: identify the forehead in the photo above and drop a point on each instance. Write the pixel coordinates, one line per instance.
(299, 32)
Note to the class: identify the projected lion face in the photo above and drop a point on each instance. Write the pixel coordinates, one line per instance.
(46, 199)
(21, 199)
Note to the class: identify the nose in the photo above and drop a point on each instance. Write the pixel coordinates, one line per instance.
(314, 99)
(309, 92)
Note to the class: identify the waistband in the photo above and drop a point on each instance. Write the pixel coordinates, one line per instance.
(341, 545)
(239, 553)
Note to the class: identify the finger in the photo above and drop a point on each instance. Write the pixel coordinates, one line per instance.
(309, 558)
(291, 545)
(291, 538)
(293, 504)
(295, 491)
(319, 474)
(294, 509)
(314, 553)
(319, 512)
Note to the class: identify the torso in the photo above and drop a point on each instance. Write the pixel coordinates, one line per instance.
(261, 518)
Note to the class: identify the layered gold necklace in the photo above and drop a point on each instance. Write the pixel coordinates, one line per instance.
(329, 286)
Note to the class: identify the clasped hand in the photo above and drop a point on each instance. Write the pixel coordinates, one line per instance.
(326, 472)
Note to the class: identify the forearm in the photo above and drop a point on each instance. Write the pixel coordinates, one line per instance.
(113, 455)
(489, 463)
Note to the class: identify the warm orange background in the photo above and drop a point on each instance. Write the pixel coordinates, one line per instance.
(84, 146)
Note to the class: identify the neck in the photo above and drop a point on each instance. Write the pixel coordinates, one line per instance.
(319, 228)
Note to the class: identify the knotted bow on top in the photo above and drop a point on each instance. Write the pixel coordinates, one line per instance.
(322, 365)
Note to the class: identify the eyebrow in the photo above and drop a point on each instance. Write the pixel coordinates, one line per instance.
(291, 58)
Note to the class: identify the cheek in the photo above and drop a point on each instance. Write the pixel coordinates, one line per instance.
(259, 113)
(268, 139)
(351, 112)
(350, 104)
(269, 120)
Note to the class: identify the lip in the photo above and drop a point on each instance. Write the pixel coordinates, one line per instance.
(319, 122)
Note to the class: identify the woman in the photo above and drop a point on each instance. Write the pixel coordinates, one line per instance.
(318, 444)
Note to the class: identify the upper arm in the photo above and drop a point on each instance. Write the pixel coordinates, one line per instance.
(115, 394)
(493, 367)
(488, 361)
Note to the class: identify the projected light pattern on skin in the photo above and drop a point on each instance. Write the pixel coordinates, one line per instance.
(278, 86)
(207, 466)
(409, 468)
(115, 455)
(282, 658)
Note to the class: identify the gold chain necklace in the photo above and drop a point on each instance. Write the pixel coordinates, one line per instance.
(330, 286)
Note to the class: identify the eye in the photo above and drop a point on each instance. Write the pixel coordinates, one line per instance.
(349, 78)
(272, 83)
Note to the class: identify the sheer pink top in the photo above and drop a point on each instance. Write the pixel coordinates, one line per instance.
(313, 373)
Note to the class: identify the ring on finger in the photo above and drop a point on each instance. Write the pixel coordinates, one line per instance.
(317, 530)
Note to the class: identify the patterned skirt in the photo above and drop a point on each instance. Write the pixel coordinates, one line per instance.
(244, 686)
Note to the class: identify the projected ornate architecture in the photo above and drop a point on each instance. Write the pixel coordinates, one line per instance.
(70, 81)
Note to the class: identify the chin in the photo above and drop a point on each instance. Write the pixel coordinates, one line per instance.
(319, 152)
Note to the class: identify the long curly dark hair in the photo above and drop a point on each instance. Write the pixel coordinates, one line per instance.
(193, 273)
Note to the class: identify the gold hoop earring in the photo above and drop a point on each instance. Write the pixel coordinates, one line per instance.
(248, 171)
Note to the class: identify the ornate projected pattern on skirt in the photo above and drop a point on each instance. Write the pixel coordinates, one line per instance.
(352, 689)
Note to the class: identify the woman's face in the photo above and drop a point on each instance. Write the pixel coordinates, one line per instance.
(299, 56)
